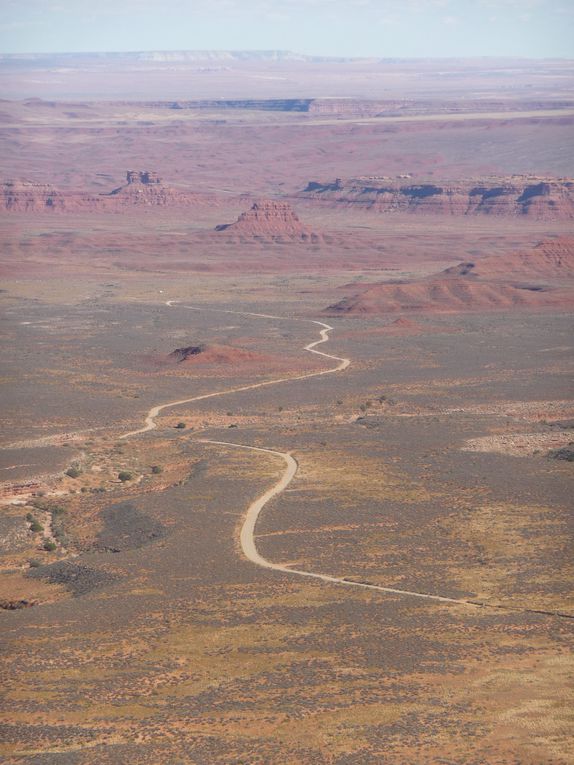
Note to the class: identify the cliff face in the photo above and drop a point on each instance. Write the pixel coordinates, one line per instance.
(142, 189)
(269, 219)
(543, 199)
(26, 196)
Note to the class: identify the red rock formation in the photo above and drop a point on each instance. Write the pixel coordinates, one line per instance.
(142, 189)
(27, 196)
(519, 280)
(270, 220)
(543, 199)
(552, 259)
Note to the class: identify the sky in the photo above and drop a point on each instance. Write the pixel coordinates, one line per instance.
(380, 28)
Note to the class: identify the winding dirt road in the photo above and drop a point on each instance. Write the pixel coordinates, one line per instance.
(247, 533)
(150, 423)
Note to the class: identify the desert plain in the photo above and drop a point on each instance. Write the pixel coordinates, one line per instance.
(345, 287)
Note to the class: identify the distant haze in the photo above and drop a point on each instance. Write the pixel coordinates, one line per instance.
(347, 28)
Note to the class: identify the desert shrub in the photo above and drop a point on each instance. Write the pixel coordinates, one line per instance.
(57, 510)
(50, 546)
(29, 517)
(180, 425)
(124, 476)
(34, 563)
(73, 472)
(156, 469)
(565, 453)
(36, 526)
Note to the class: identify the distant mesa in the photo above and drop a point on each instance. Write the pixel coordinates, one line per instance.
(532, 279)
(27, 196)
(538, 198)
(270, 220)
(142, 188)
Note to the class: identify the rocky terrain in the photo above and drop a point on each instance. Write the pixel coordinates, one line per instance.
(270, 220)
(537, 198)
(493, 283)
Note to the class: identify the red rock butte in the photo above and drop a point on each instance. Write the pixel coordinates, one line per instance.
(142, 188)
(269, 219)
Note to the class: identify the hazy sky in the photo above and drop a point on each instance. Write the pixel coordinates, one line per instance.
(539, 28)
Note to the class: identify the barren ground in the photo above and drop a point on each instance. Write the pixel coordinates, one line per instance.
(134, 629)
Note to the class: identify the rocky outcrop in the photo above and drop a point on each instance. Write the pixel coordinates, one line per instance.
(542, 199)
(183, 354)
(27, 196)
(270, 220)
(215, 354)
(142, 189)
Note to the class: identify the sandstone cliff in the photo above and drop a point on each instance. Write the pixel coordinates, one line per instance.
(542, 199)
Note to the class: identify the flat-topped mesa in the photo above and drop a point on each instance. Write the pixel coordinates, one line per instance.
(539, 198)
(28, 196)
(269, 219)
(142, 189)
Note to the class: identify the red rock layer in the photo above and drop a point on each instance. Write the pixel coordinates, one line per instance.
(269, 219)
(142, 189)
(542, 199)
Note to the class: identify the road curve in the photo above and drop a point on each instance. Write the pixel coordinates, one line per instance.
(149, 422)
(249, 546)
(247, 533)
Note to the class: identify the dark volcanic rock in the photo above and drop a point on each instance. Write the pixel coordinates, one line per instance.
(181, 354)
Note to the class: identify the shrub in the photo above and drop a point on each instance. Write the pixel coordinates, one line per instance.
(156, 469)
(180, 425)
(29, 517)
(124, 476)
(36, 526)
(50, 546)
(73, 472)
(34, 563)
(565, 453)
(57, 510)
